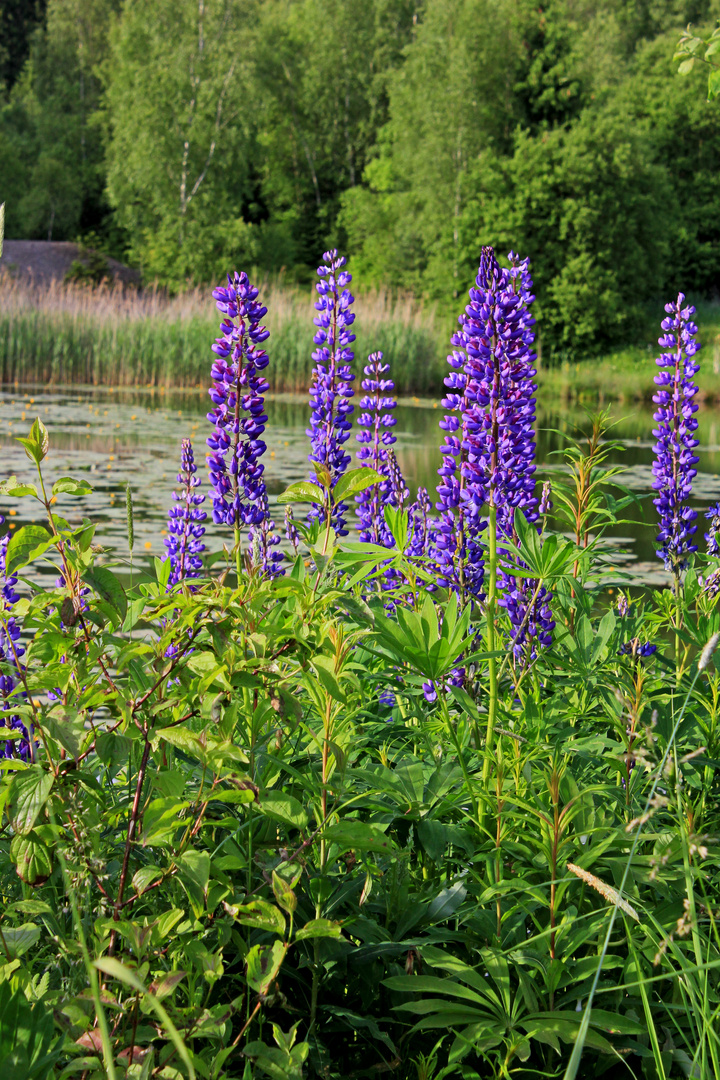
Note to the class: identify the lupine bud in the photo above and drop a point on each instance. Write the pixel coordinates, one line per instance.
(263, 539)
(331, 389)
(674, 467)
(375, 440)
(184, 522)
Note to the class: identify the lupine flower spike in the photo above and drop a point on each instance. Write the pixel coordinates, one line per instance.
(236, 473)
(375, 438)
(185, 519)
(10, 652)
(675, 459)
(331, 387)
(489, 447)
(264, 539)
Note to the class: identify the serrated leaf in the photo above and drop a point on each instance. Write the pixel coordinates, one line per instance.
(29, 792)
(103, 582)
(303, 491)
(32, 858)
(27, 544)
(67, 728)
(67, 485)
(11, 486)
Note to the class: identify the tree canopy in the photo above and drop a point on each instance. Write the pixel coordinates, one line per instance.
(192, 136)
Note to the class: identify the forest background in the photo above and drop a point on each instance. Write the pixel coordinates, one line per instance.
(192, 136)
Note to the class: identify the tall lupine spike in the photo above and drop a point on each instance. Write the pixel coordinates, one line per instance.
(375, 438)
(674, 466)
(10, 652)
(239, 415)
(263, 539)
(489, 447)
(398, 494)
(331, 387)
(184, 544)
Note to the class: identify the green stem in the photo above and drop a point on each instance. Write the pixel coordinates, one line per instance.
(678, 624)
(492, 662)
(238, 555)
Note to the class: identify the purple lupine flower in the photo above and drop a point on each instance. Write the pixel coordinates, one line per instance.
(375, 438)
(184, 543)
(10, 652)
(623, 605)
(263, 539)
(331, 387)
(239, 415)
(545, 500)
(711, 584)
(489, 446)
(713, 516)
(636, 649)
(674, 466)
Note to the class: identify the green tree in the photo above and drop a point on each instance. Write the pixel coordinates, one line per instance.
(53, 182)
(591, 209)
(180, 134)
(322, 72)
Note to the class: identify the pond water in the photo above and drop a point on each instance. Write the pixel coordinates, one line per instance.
(112, 437)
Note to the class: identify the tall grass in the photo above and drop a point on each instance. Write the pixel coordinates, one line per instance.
(112, 336)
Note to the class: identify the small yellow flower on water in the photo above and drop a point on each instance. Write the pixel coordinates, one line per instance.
(112, 457)
(13, 513)
(133, 417)
(148, 545)
(12, 524)
(163, 532)
(87, 425)
(117, 425)
(22, 416)
(32, 400)
(272, 453)
(286, 444)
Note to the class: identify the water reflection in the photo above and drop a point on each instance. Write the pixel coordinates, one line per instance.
(112, 437)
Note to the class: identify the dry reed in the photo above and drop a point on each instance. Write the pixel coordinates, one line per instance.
(111, 335)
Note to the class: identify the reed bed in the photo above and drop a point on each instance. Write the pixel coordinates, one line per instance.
(112, 336)
(109, 335)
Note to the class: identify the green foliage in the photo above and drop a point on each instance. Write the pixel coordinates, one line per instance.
(228, 855)
(408, 133)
